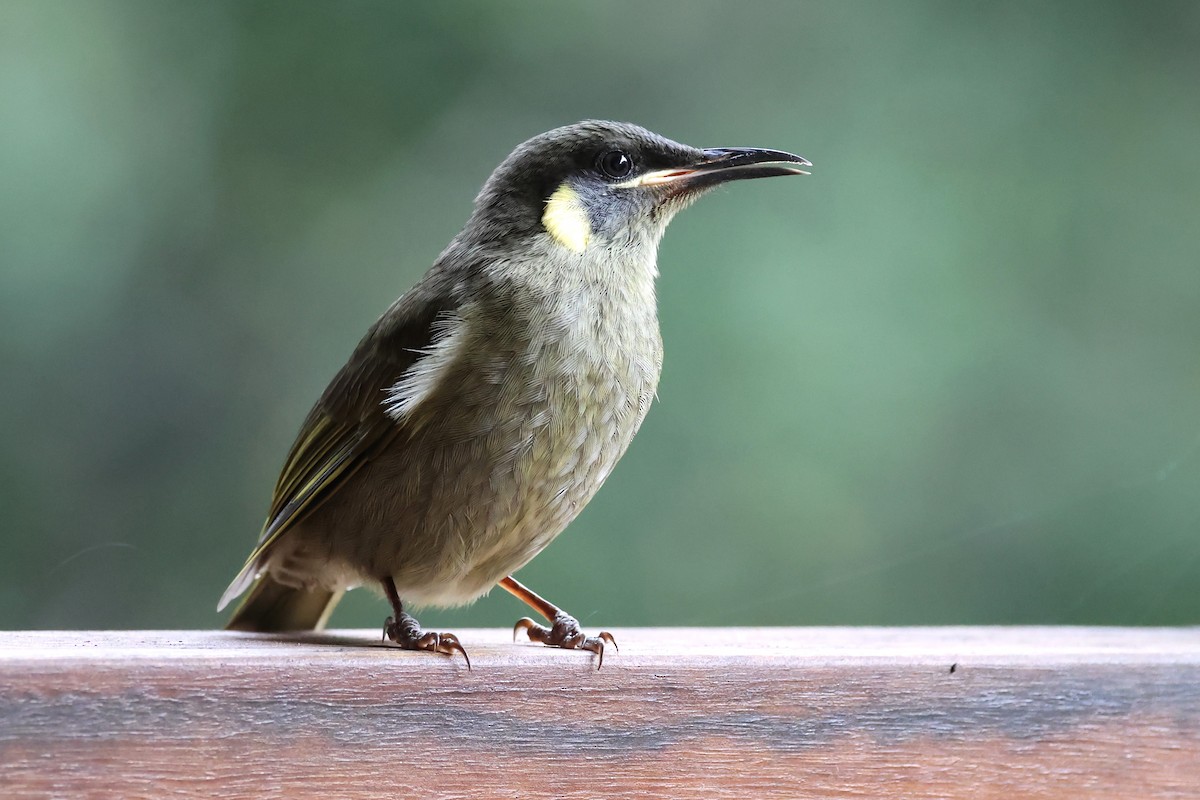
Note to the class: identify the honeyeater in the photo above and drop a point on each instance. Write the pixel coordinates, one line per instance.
(482, 411)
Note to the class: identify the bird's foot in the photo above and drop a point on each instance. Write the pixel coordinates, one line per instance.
(405, 631)
(565, 633)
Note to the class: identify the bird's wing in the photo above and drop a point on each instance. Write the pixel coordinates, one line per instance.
(349, 424)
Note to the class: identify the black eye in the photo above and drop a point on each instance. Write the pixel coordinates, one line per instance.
(615, 164)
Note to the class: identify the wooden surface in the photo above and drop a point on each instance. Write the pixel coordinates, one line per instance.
(677, 713)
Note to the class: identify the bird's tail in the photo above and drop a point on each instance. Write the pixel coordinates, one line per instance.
(270, 606)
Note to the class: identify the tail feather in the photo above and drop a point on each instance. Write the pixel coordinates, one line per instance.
(270, 606)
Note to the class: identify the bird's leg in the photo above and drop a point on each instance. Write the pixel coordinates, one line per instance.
(404, 630)
(564, 630)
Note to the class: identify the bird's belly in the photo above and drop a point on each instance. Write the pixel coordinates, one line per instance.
(489, 479)
(542, 470)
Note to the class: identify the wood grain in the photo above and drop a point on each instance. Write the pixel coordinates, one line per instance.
(679, 713)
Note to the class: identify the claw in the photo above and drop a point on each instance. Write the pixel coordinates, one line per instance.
(596, 645)
(448, 644)
(524, 624)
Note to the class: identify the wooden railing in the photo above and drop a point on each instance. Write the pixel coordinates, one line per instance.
(677, 713)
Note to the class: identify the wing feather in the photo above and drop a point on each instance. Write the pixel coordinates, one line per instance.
(348, 424)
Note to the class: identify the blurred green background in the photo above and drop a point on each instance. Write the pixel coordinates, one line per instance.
(952, 377)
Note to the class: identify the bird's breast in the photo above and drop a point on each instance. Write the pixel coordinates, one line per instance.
(580, 384)
(554, 393)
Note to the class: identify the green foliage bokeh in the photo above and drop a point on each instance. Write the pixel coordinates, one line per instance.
(952, 377)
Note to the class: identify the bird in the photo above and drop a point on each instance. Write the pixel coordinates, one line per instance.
(487, 405)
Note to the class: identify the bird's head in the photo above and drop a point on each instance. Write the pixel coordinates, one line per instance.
(609, 184)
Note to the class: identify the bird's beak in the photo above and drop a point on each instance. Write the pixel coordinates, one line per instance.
(721, 164)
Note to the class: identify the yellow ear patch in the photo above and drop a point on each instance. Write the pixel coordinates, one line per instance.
(566, 219)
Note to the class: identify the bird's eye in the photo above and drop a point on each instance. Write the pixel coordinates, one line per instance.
(615, 164)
